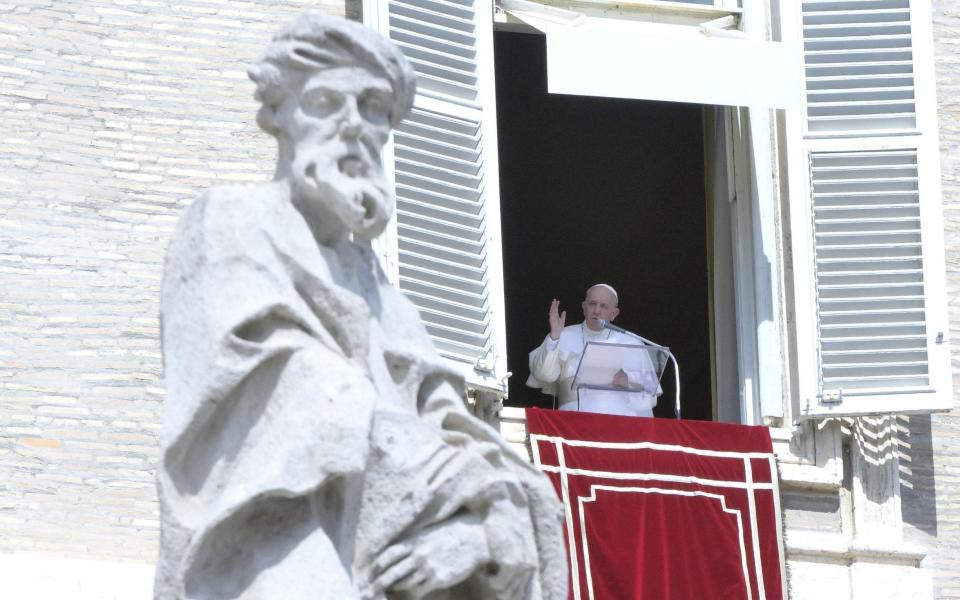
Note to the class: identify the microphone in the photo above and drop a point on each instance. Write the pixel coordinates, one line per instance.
(611, 326)
(618, 329)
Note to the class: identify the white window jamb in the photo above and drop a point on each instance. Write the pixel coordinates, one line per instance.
(385, 246)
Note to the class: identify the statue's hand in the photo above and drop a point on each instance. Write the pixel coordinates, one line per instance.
(439, 557)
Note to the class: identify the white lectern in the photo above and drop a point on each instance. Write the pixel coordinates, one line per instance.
(599, 364)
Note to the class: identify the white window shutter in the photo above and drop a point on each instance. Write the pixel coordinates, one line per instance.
(446, 177)
(866, 213)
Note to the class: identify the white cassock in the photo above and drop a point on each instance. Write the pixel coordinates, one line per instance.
(554, 363)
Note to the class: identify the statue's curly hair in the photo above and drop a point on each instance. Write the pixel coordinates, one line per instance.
(313, 41)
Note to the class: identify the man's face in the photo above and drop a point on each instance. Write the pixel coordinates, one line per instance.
(600, 303)
(338, 126)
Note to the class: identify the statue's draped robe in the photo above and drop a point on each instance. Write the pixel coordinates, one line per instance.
(309, 423)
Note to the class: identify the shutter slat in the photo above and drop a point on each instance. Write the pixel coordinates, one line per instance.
(862, 106)
(903, 89)
(465, 272)
(878, 333)
(454, 149)
(451, 298)
(893, 356)
(452, 342)
(863, 68)
(877, 246)
(842, 313)
(874, 233)
(864, 220)
(856, 4)
(899, 79)
(851, 35)
(455, 183)
(827, 178)
(865, 286)
(852, 14)
(863, 207)
(863, 195)
(441, 167)
(437, 230)
(882, 382)
(866, 259)
(864, 306)
(880, 53)
(848, 273)
(877, 173)
(874, 342)
(468, 214)
(429, 302)
(879, 38)
(467, 285)
(460, 74)
(425, 248)
(427, 237)
(868, 325)
(443, 322)
(852, 123)
(883, 365)
(908, 350)
(437, 186)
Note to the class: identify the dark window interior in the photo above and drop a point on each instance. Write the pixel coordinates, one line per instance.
(601, 190)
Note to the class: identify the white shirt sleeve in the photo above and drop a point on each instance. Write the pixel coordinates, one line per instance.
(545, 364)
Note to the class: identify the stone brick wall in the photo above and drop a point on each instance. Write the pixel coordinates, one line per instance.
(113, 113)
(945, 428)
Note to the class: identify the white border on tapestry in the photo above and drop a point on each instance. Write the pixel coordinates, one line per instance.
(581, 500)
(749, 486)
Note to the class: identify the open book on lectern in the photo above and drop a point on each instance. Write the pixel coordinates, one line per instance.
(644, 365)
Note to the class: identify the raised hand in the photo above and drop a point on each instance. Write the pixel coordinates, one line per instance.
(557, 319)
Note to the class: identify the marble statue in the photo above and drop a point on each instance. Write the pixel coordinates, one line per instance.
(314, 444)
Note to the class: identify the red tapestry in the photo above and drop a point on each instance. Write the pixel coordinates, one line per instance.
(659, 509)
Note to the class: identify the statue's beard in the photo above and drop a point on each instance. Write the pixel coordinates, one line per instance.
(345, 180)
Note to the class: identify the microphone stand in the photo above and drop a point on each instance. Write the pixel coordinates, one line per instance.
(676, 367)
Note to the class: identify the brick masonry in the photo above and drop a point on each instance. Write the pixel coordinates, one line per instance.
(942, 527)
(112, 115)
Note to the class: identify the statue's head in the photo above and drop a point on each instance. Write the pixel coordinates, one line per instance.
(331, 91)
